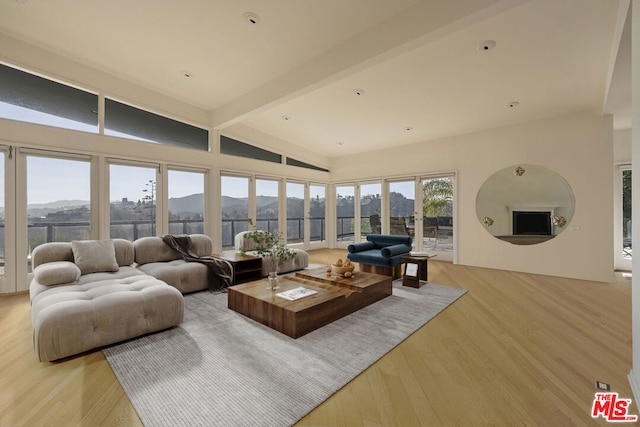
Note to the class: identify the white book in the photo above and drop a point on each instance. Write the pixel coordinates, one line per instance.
(296, 293)
(419, 253)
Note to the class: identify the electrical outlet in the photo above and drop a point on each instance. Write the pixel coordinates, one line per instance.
(603, 386)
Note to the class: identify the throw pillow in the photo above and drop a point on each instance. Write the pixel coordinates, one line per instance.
(93, 256)
(56, 273)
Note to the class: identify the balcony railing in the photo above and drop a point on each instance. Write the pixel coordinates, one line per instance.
(295, 229)
(45, 232)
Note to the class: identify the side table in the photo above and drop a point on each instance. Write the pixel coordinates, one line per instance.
(415, 270)
(246, 268)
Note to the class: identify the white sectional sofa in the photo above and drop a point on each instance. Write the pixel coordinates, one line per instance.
(300, 261)
(88, 294)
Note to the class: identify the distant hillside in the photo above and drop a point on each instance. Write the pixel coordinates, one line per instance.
(43, 209)
(192, 203)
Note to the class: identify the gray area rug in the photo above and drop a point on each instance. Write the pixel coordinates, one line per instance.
(221, 368)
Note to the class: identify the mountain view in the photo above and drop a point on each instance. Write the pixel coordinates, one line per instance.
(133, 219)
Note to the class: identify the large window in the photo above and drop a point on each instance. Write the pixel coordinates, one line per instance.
(33, 99)
(235, 207)
(317, 213)
(2, 211)
(58, 200)
(401, 207)
(627, 250)
(186, 202)
(132, 201)
(295, 212)
(237, 148)
(345, 213)
(130, 122)
(370, 209)
(437, 213)
(267, 205)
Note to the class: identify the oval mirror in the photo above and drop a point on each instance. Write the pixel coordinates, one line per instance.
(525, 204)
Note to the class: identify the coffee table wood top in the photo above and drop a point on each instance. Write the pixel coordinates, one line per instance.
(336, 297)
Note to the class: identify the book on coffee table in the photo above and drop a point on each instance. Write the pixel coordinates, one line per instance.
(296, 293)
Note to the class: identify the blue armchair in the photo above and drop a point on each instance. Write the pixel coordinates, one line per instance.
(380, 253)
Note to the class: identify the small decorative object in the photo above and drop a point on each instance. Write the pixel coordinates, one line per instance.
(272, 280)
(519, 171)
(487, 221)
(559, 221)
(272, 250)
(340, 268)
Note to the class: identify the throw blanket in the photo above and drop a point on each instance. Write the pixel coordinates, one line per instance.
(220, 271)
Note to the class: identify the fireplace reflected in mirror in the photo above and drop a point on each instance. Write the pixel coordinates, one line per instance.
(525, 204)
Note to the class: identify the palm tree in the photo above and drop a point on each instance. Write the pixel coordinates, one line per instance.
(437, 196)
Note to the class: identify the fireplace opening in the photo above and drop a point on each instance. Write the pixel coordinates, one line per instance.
(532, 223)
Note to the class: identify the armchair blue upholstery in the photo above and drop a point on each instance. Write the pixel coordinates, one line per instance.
(380, 250)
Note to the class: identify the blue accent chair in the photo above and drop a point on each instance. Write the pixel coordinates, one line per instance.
(380, 253)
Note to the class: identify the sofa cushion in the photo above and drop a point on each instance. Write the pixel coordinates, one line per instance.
(382, 240)
(184, 276)
(124, 252)
(154, 249)
(94, 255)
(358, 247)
(393, 250)
(56, 273)
(373, 257)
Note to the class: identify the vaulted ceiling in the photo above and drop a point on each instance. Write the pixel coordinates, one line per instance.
(346, 76)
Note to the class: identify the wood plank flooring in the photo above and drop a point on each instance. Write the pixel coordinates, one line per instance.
(517, 349)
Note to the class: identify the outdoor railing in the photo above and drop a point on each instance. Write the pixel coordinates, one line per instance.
(46, 232)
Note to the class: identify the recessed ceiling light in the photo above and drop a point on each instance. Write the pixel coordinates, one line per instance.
(358, 92)
(251, 18)
(513, 104)
(486, 45)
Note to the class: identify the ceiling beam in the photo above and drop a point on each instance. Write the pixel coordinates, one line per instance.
(420, 24)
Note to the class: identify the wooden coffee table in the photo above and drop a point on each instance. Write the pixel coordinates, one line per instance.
(335, 298)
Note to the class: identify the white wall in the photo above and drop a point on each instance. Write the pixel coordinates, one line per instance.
(579, 147)
(622, 146)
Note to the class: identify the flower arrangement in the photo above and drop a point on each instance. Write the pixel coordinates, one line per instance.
(269, 246)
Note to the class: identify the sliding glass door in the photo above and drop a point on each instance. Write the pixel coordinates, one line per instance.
(623, 253)
(5, 230)
(345, 214)
(317, 213)
(267, 204)
(58, 201)
(370, 209)
(295, 212)
(437, 214)
(402, 207)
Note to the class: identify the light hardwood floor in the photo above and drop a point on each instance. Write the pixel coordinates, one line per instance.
(517, 349)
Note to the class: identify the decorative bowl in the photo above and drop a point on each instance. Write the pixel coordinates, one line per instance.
(340, 270)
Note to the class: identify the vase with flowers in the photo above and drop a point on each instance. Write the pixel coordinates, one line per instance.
(271, 248)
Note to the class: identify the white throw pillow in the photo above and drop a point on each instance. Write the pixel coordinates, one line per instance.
(56, 273)
(93, 256)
